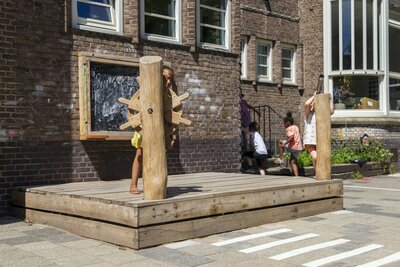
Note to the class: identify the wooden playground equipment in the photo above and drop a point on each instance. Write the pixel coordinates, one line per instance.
(155, 112)
(193, 205)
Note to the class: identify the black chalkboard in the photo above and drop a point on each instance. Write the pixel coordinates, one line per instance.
(107, 84)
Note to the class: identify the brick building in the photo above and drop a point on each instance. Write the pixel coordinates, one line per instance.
(56, 54)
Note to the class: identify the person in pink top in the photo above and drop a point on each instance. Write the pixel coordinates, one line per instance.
(292, 144)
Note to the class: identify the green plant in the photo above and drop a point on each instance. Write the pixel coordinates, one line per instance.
(375, 151)
(343, 155)
(357, 175)
(286, 155)
(304, 159)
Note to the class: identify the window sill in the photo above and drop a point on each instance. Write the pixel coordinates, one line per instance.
(369, 120)
(161, 39)
(214, 47)
(288, 84)
(98, 30)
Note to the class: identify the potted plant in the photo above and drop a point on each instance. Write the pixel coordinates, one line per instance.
(342, 91)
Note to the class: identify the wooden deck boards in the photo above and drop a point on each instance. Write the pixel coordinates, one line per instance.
(195, 202)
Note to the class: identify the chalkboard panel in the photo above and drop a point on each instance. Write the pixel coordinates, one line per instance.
(107, 84)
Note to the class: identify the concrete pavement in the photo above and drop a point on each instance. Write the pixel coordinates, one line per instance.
(368, 231)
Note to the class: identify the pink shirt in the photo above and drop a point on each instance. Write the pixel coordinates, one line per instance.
(295, 143)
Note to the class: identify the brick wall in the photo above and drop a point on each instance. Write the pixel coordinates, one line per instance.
(39, 109)
(276, 22)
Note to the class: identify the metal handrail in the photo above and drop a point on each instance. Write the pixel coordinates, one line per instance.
(259, 115)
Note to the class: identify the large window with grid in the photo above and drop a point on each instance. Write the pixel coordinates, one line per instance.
(98, 15)
(213, 23)
(161, 20)
(362, 64)
(263, 61)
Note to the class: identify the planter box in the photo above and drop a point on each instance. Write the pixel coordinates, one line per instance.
(345, 171)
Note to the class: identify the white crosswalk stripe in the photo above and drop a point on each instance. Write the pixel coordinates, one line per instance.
(341, 256)
(278, 243)
(249, 237)
(386, 260)
(303, 250)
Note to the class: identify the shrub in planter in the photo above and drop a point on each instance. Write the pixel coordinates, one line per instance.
(375, 151)
(354, 151)
(304, 159)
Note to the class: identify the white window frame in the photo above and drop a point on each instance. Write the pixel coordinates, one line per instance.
(292, 49)
(380, 71)
(396, 75)
(268, 77)
(243, 57)
(227, 27)
(162, 38)
(88, 24)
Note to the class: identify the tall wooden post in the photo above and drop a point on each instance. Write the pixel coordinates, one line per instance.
(152, 116)
(323, 124)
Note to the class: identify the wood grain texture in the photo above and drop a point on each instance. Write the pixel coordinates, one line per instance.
(323, 121)
(197, 205)
(152, 117)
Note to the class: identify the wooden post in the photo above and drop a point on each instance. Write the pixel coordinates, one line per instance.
(152, 116)
(323, 125)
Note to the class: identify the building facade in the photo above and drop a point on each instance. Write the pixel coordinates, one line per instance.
(63, 64)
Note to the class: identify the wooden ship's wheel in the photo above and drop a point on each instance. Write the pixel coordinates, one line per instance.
(172, 113)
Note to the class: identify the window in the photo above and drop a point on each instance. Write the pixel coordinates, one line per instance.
(97, 15)
(263, 61)
(213, 23)
(161, 20)
(243, 58)
(354, 36)
(394, 58)
(288, 65)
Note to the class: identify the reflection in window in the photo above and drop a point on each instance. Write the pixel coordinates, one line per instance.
(288, 65)
(160, 18)
(214, 20)
(263, 61)
(356, 92)
(335, 35)
(358, 35)
(394, 85)
(346, 34)
(97, 15)
(243, 57)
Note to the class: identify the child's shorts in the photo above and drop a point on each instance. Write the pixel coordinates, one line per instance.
(262, 160)
(294, 153)
(136, 140)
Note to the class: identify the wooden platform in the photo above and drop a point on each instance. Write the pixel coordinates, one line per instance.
(197, 205)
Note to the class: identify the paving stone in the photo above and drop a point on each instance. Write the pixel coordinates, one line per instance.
(14, 254)
(82, 243)
(174, 256)
(62, 238)
(10, 234)
(147, 263)
(31, 262)
(37, 245)
(122, 257)
(5, 247)
(77, 260)
(45, 232)
(21, 240)
(56, 252)
(100, 250)
(183, 244)
(313, 219)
